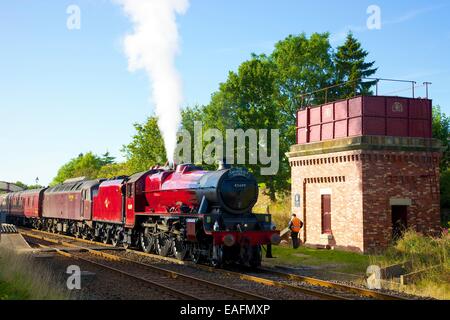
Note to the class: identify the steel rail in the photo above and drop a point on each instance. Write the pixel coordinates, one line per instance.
(101, 244)
(312, 281)
(166, 272)
(337, 286)
(274, 283)
(98, 264)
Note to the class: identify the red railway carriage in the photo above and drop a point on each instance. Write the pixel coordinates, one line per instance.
(109, 202)
(71, 200)
(32, 203)
(4, 208)
(24, 207)
(15, 204)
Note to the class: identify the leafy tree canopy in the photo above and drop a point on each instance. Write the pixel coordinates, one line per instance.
(27, 187)
(441, 131)
(146, 148)
(267, 91)
(85, 165)
(351, 66)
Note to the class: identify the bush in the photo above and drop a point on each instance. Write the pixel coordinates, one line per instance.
(279, 209)
(424, 253)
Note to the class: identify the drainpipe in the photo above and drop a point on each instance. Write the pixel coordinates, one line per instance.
(304, 210)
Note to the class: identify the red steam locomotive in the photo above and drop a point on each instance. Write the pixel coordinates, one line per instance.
(185, 212)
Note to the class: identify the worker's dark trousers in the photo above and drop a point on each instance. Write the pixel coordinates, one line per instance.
(295, 240)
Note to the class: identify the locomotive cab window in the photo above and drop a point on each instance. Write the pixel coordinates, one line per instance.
(94, 192)
(130, 190)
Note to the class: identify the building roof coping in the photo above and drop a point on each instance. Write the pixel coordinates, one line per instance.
(376, 143)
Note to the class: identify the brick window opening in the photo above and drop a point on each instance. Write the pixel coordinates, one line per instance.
(326, 214)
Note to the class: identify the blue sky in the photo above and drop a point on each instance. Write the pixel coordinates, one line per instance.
(64, 92)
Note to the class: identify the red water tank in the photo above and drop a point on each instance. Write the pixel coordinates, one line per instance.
(365, 115)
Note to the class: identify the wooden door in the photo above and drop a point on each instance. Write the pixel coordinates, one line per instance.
(326, 214)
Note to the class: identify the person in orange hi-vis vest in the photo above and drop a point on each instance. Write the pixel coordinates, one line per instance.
(295, 225)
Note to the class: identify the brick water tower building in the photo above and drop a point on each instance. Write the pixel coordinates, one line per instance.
(364, 169)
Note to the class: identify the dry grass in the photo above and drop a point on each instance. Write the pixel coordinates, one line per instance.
(280, 209)
(424, 253)
(21, 278)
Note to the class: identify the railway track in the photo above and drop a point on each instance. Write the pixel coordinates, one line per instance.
(318, 288)
(178, 284)
(343, 288)
(297, 282)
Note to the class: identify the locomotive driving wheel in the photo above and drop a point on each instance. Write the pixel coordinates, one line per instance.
(256, 257)
(85, 235)
(117, 238)
(106, 236)
(217, 256)
(77, 232)
(180, 249)
(195, 253)
(163, 245)
(147, 240)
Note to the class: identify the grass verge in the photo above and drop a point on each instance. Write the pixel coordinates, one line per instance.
(325, 260)
(21, 278)
(424, 253)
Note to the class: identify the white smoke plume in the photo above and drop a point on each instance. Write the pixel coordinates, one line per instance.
(153, 46)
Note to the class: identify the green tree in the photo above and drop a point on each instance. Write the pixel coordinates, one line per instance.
(267, 91)
(21, 185)
(351, 66)
(146, 148)
(115, 170)
(28, 187)
(85, 165)
(189, 116)
(441, 131)
(303, 65)
(246, 101)
(107, 159)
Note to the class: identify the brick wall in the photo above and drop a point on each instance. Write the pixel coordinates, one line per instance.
(387, 176)
(364, 184)
(341, 175)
